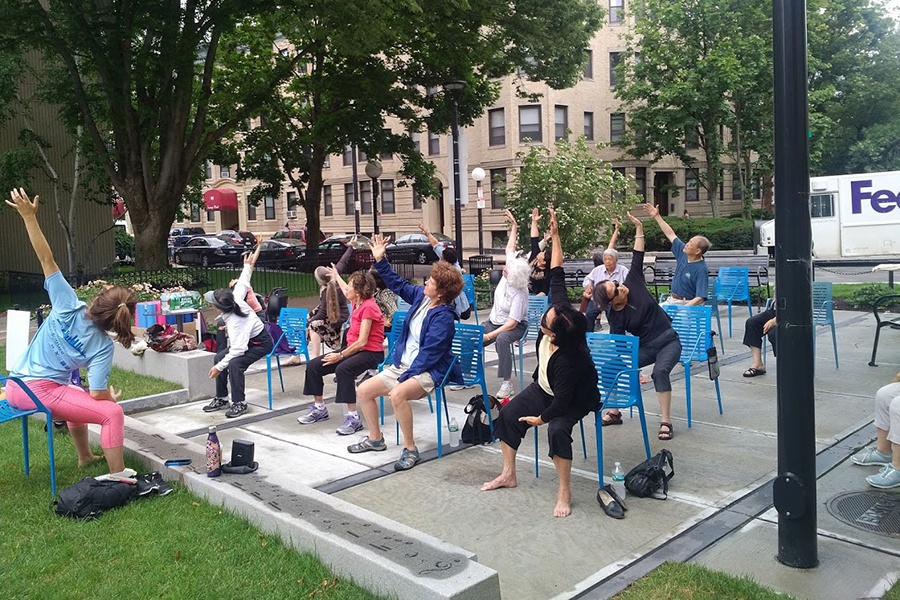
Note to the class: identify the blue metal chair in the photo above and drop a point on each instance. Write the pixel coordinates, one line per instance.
(693, 326)
(537, 306)
(823, 313)
(293, 329)
(396, 327)
(713, 302)
(469, 291)
(402, 306)
(8, 413)
(733, 284)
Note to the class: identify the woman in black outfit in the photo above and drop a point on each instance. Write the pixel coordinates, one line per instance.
(564, 388)
(539, 281)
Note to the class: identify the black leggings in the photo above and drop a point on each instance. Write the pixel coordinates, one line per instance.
(753, 330)
(234, 372)
(663, 352)
(346, 369)
(531, 402)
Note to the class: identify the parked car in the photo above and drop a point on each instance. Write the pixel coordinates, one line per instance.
(281, 254)
(209, 250)
(245, 238)
(332, 249)
(415, 247)
(178, 236)
(298, 233)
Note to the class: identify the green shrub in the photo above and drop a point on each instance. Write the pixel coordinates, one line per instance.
(723, 233)
(124, 244)
(864, 296)
(761, 214)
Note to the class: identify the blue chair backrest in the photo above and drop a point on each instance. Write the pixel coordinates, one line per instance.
(616, 360)
(823, 307)
(468, 347)
(293, 324)
(733, 283)
(537, 306)
(469, 288)
(394, 334)
(402, 306)
(711, 294)
(693, 326)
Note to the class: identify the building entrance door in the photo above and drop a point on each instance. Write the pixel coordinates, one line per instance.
(661, 182)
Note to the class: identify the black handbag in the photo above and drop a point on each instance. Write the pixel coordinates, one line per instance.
(649, 477)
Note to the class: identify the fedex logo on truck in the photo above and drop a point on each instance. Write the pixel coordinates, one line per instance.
(882, 201)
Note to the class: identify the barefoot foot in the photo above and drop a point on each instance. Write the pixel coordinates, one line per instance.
(88, 460)
(502, 481)
(563, 508)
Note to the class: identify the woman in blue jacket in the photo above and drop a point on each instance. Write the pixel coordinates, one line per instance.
(421, 357)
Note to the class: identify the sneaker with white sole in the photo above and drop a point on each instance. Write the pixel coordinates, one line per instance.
(216, 404)
(408, 459)
(236, 410)
(457, 388)
(871, 456)
(315, 414)
(506, 390)
(886, 479)
(351, 425)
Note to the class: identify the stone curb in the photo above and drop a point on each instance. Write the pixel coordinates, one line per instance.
(163, 400)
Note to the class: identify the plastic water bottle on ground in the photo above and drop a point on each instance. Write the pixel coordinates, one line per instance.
(213, 454)
(454, 432)
(618, 480)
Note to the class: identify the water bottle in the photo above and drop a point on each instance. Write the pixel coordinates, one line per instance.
(618, 480)
(213, 454)
(454, 432)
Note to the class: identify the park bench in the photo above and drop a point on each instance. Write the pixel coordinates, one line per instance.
(882, 320)
(660, 274)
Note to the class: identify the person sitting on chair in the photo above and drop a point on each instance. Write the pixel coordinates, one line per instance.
(634, 310)
(363, 351)
(886, 452)
(755, 328)
(74, 336)
(610, 270)
(563, 391)
(690, 283)
(422, 354)
(326, 323)
(538, 282)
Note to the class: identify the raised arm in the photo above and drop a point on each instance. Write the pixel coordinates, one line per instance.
(556, 260)
(431, 239)
(513, 232)
(535, 222)
(27, 209)
(558, 292)
(615, 236)
(335, 274)
(663, 226)
(341, 265)
(638, 233)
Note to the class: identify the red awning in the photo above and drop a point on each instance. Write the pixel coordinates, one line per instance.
(118, 209)
(222, 199)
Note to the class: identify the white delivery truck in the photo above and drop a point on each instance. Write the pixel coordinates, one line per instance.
(852, 216)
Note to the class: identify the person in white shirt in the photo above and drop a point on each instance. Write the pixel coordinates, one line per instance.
(610, 270)
(248, 341)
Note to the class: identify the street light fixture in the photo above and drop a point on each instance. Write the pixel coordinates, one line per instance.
(478, 176)
(452, 88)
(374, 171)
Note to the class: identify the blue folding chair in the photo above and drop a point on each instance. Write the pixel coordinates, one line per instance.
(402, 306)
(469, 291)
(396, 327)
(823, 313)
(537, 306)
(713, 302)
(8, 413)
(693, 326)
(293, 329)
(733, 284)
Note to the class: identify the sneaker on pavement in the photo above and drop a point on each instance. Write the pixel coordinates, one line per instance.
(505, 391)
(367, 445)
(216, 404)
(457, 388)
(350, 426)
(236, 410)
(315, 414)
(408, 459)
(871, 456)
(886, 479)
(152, 482)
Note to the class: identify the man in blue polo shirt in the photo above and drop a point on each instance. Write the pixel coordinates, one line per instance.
(690, 284)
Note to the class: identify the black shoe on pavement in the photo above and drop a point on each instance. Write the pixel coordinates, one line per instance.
(236, 410)
(216, 404)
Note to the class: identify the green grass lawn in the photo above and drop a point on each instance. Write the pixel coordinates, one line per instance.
(678, 581)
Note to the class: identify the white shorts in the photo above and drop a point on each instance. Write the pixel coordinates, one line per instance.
(391, 374)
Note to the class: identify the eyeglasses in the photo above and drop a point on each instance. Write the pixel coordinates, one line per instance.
(615, 290)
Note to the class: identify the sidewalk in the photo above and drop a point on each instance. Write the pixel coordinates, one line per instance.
(719, 510)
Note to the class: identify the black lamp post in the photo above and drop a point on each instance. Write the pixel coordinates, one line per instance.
(478, 176)
(452, 88)
(356, 203)
(374, 171)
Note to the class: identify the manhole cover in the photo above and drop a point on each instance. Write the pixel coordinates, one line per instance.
(877, 512)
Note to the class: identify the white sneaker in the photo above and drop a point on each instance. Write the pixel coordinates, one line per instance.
(506, 390)
(457, 388)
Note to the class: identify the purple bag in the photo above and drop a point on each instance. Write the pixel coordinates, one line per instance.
(275, 331)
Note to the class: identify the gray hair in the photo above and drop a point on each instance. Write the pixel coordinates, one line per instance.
(517, 273)
(611, 252)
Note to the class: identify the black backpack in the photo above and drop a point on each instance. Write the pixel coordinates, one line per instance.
(647, 478)
(89, 498)
(477, 429)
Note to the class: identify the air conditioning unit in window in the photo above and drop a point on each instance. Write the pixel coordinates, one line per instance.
(292, 214)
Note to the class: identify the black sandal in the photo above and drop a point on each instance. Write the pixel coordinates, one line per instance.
(666, 435)
(614, 419)
(754, 372)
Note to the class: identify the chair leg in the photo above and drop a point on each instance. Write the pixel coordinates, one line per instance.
(440, 445)
(834, 341)
(729, 319)
(598, 426)
(718, 394)
(644, 428)
(280, 376)
(269, 379)
(51, 454)
(536, 463)
(381, 408)
(583, 443)
(521, 366)
(875, 347)
(25, 444)
(721, 337)
(687, 390)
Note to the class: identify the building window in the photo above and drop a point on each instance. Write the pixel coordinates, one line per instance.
(416, 138)
(291, 200)
(251, 211)
(348, 156)
(496, 127)
(560, 121)
(326, 163)
(589, 126)
(210, 216)
(498, 187)
(821, 205)
(327, 202)
(640, 179)
(195, 213)
(619, 196)
(387, 197)
(691, 186)
(616, 11)
(349, 205)
(225, 171)
(208, 171)
(434, 143)
(614, 59)
(499, 238)
(530, 123)
(691, 138)
(417, 200)
(365, 197)
(588, 63)
(386, 155)
(361, 156)
(269, 204)
(616, 127)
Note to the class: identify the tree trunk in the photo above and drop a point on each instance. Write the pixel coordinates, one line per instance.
(152, 217)
(313, 200)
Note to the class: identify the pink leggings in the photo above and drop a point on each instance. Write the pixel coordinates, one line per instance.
(76, 406)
